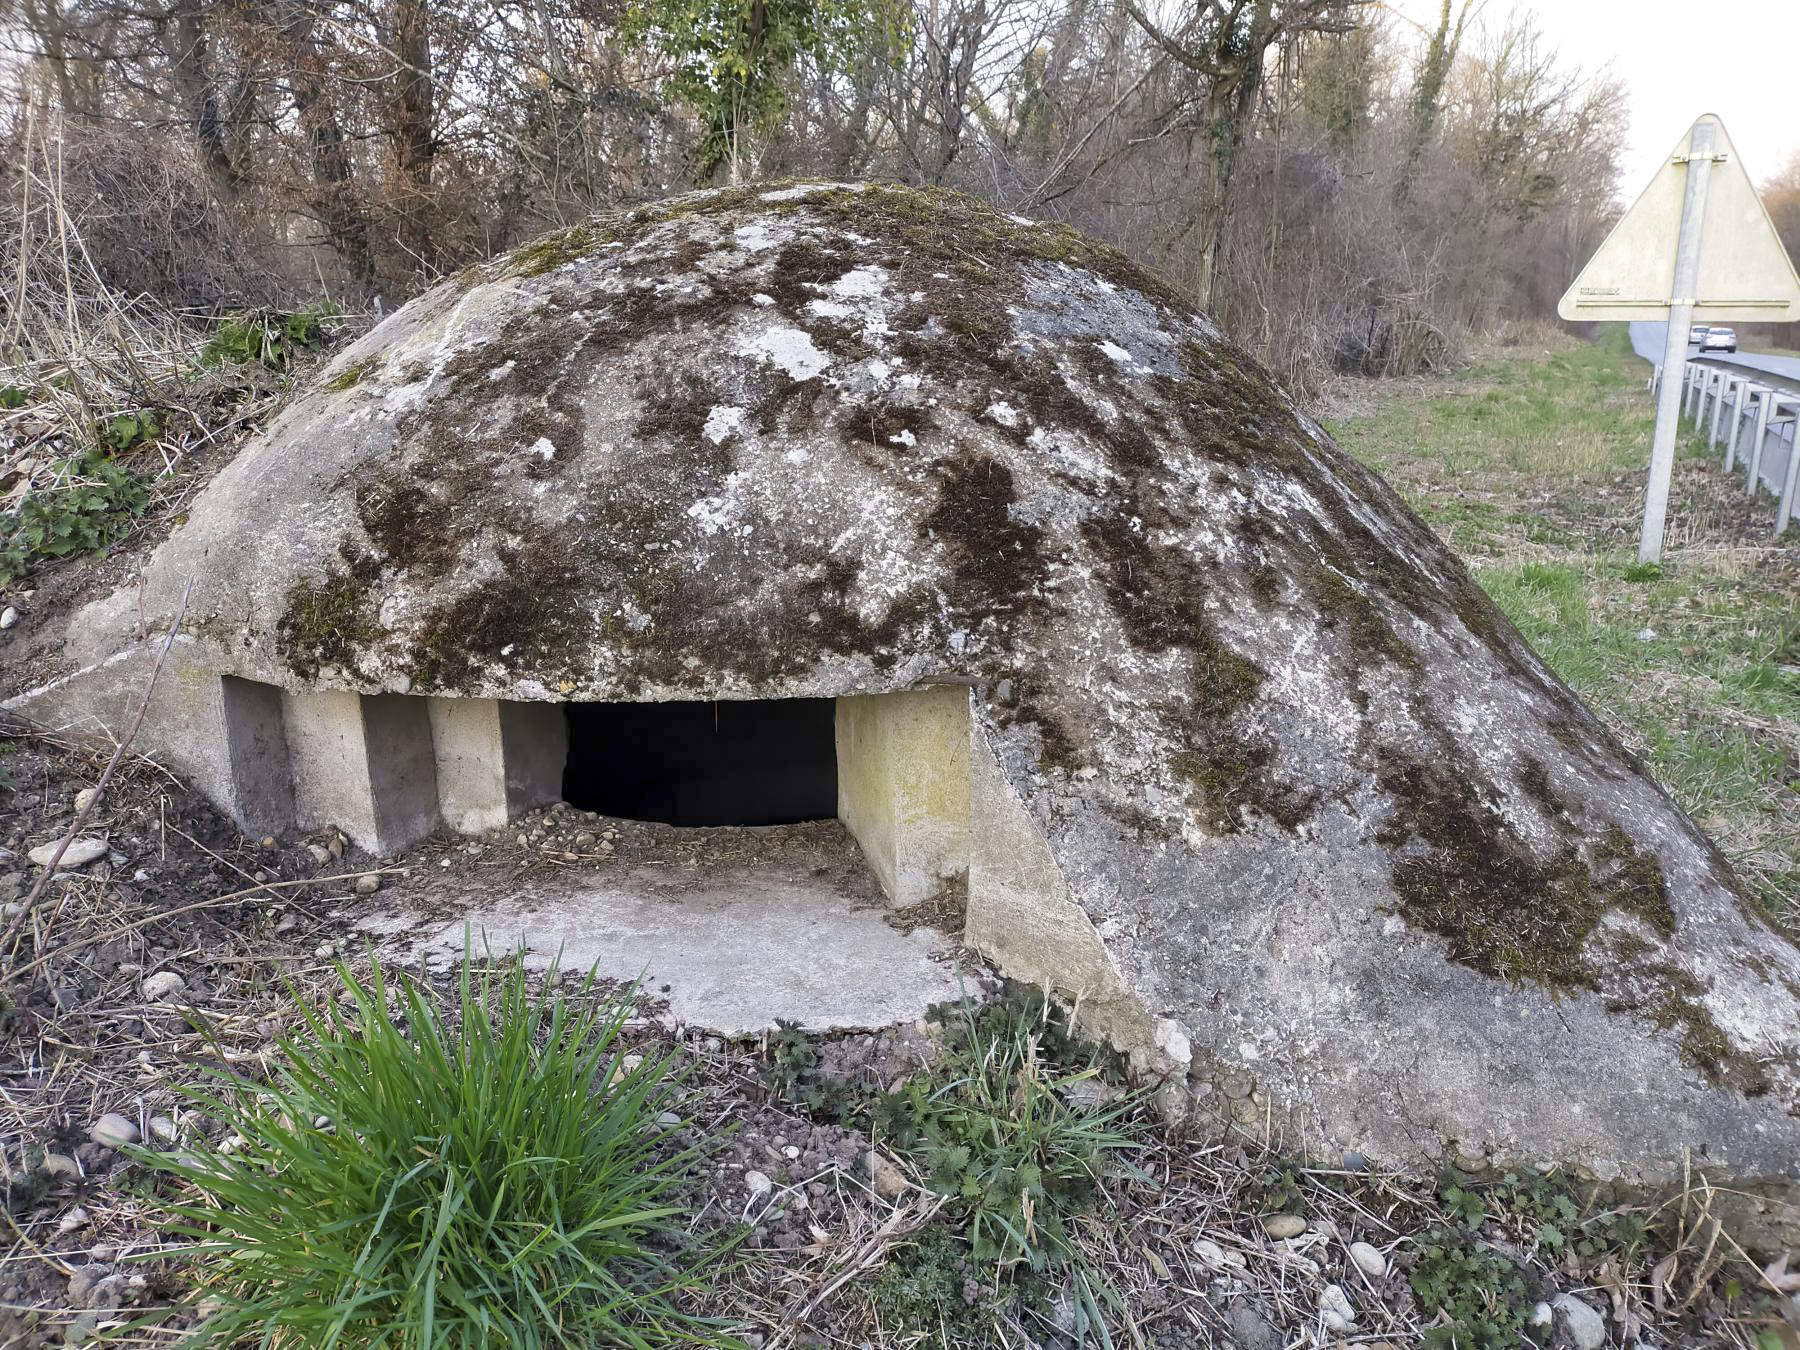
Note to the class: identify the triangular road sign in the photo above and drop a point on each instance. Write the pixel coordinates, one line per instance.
(1745, 273)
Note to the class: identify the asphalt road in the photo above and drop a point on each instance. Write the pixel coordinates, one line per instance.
(1647, 341)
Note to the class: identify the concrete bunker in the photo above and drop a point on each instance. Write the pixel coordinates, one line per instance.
(1222, 742)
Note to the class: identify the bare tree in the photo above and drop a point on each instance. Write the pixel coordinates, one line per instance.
(1223, 45)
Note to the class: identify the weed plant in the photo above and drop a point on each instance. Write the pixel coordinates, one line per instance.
(89, 504)
(407, 1181)
(269, 338)
(1013, 1127)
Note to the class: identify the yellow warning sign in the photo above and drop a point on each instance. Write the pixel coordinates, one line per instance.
(1744, 272)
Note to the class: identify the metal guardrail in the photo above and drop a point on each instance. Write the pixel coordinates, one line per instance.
(1770, 404)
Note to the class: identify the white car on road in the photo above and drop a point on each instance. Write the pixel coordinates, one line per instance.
(1719, 340)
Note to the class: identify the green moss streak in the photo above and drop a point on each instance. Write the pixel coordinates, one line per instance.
(326, 623)
(354, 375)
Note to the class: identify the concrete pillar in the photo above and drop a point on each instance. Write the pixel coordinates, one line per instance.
(364, 765)
(903, 786)
(1023, 918)
(496, 759)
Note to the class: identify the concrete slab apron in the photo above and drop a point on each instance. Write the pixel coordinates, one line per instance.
(737, 950)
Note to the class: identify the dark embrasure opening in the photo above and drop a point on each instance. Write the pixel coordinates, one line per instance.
(744, 762)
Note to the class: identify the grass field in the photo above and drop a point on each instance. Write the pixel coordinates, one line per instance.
(1530, 464)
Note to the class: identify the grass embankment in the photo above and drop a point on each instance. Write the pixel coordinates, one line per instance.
(1531, 466)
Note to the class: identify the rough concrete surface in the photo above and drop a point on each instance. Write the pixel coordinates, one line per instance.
(734, 951)
(1339, 829)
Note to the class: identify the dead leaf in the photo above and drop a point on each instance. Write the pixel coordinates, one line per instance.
(1662, 1282)
(1780, 1277)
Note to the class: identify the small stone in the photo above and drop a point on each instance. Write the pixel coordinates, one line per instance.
(86, 798)
(758, 1183)
(113, 1130)
(1368, 1260)
(9, 616)
(82, 1282)
(669, 1120)
(269, 843)
(790, 1152)
(79, 853)
(1284, 1225)
(335, 845)
(1335, 1309)
(320, 854)
(60, 1165)
(107, 1293)
(1585, 1328)
(164, 986)
(885, 1175)
(368, 883)
(1467, 1159)
(586, 839)
(75, 1218)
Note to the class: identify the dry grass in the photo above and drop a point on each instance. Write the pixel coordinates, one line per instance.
(76, 351)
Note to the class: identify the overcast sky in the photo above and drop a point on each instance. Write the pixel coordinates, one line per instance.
(1735, 58)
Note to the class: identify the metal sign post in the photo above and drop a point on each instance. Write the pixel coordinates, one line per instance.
(1675, 345)
(1659, 263)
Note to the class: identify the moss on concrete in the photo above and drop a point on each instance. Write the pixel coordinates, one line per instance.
(353, 375)
(327, 623)
(1503, 906)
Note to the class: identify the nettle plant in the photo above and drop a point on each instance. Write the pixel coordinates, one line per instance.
(89, 503)
(270, 338)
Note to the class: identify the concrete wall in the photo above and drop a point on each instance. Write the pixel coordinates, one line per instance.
(363, 764)
(184, 727)
(1023, 918)
(903, 786)
(262, 772)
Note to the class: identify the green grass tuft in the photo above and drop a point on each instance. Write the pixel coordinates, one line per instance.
(496, 1180)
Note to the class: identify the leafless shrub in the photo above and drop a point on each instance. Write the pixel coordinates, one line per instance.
(148, 223)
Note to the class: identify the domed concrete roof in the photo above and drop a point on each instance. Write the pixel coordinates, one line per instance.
(1338, 828)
